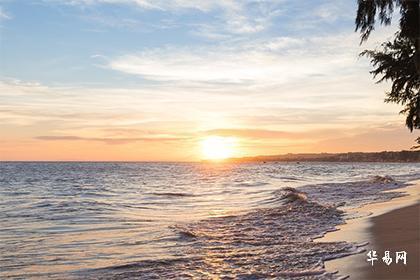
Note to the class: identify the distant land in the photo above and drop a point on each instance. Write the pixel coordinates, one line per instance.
(400, 156)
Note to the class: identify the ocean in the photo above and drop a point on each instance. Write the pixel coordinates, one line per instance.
(107, 220)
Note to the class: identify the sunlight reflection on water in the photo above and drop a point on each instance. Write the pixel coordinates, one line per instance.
(62, 217)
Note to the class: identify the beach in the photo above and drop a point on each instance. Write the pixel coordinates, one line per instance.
(392, 226)
(186, 139)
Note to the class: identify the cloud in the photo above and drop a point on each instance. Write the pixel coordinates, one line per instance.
(254, 133)
(162, 65)
(11, 86)
(273, 105)
(161, 4)
(4, 15)
(391, 137)
(308, 135)
(177, 116)
(109, 140)
(270, 61)
(331, 12)
(256, 61)
(229, 16)
(221, 20)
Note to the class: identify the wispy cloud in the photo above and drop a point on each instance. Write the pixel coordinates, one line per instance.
(232, 16)
(109, 140)
(253, 133)
(4, 15)
(150, 120)
(263, 61)
(393, 137)
(153, 112)
(160, 4)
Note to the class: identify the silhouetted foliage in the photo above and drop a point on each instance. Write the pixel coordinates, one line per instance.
(402, 156)
(397, 61)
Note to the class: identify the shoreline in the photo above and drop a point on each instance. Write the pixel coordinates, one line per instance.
(391, 225)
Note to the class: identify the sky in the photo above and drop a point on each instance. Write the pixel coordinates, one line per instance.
(151, 80)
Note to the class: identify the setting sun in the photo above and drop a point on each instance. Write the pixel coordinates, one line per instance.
(217, 148)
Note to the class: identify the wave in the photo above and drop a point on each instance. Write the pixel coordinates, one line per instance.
(266, 243)
(355, 194)
(290, 194)
(274, 242)
(172, 194)
(382, 179)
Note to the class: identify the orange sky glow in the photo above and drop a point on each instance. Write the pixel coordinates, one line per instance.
(161, 88)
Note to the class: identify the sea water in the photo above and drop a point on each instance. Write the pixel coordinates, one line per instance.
(182, 220)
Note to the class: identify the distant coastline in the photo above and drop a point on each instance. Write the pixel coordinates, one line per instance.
(385, 156)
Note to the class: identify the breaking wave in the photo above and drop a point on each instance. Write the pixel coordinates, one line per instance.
(266, 243)
(290, 194)
(274, 242)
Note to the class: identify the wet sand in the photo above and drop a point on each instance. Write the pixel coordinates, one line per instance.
(393, 226)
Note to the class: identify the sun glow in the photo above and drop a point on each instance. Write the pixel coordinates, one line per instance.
(218, 148)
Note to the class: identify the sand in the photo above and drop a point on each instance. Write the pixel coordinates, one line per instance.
(395, 231)
(393, 226)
